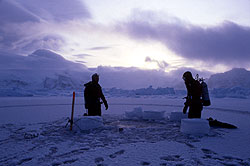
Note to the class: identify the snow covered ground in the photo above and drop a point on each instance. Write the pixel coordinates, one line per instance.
(33, 133)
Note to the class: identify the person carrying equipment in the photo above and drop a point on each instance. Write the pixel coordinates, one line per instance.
(92, 95)
(194, 94)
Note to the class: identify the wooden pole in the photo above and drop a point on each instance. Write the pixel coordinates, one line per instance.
(72, 113)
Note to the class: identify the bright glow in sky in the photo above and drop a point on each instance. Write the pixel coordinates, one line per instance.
(126, 52)
(118, 50)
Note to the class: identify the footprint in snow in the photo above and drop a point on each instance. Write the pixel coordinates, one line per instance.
(172, 158)
(114, 155)
(145, 163)
(69, 161)
(99, 159)
(231, 158)
(208, 151)
(30, 135)
(24, 161)
(101, 165)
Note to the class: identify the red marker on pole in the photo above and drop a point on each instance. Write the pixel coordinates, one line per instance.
(72, 113)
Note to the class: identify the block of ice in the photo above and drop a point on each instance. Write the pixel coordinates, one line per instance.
(88, 122)
(135, 114)
(195, 126)
(153, 115)
(177, 116)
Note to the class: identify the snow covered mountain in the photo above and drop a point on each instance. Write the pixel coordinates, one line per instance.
(234, 84)
(39, 60)
(237, 77)
(44, 70)
(46, 73)
(41, 70)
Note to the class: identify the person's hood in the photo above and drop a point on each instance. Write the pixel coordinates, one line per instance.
(87, 84)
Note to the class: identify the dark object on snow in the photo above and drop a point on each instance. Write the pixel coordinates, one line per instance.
(194, 93)
(217, 124)
(92, 95)
(30, 135)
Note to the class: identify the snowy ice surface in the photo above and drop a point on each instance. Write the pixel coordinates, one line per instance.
(32, 132)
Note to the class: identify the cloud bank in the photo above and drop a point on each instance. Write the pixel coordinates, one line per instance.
(227, 43)
(32, 24)
(18, 11)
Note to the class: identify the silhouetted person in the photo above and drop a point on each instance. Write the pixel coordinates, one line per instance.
(193, 99)
(92, 95)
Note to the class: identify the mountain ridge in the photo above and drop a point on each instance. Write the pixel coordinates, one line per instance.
(46, 70)
(236, 77)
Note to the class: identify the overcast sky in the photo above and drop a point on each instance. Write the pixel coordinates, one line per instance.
(150, 34)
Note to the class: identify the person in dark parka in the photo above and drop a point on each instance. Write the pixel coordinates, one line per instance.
(194, 93)
(92, 95)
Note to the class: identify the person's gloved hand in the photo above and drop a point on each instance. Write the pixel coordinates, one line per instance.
(106, 105)
(185, 109)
